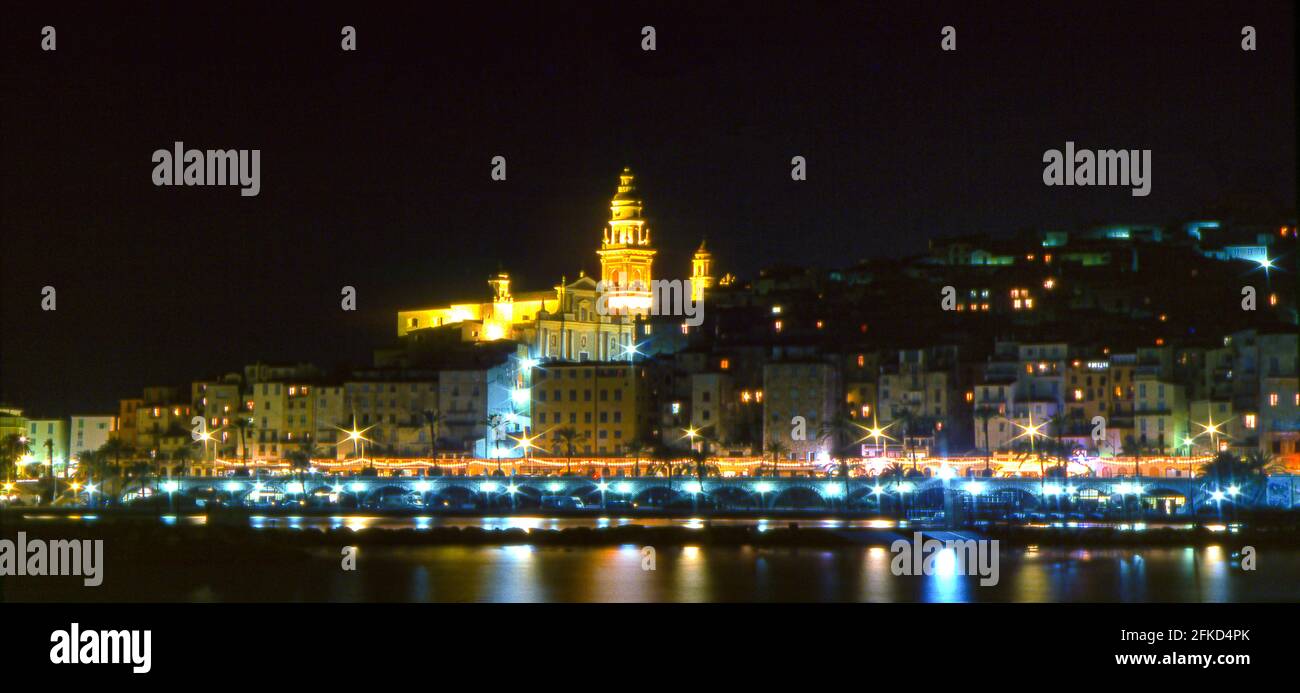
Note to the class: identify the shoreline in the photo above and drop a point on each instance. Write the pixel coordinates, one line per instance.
(232, 529)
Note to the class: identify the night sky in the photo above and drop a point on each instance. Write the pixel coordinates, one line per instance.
(375, 164)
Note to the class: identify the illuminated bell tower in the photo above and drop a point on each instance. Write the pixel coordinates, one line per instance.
(625, 252)
(701, 273)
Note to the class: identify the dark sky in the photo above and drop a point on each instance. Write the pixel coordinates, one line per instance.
(375, 164)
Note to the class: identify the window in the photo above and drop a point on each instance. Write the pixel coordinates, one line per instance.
(1272, 399)
(1250, 421)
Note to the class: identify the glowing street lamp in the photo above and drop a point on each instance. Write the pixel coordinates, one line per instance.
(1211, 429)
(357, 437)
(1032, 431)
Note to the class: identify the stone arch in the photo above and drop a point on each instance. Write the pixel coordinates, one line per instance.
(798, 496)
(730, 496)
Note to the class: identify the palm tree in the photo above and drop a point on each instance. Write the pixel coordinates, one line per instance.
(911, 422)
(636, 448)
(91, 463)
(777, 449)
(700, 462)
(494, 423)
(49, 454)
(116, 449)
(13, 447)
(1138, 446)
(897, 472)
(433, 419)
(663, 457)
(1249, 473)
(569, 436)
(838, 430)
(242, 423)
(985, 414)
(183, 456)
(300, 460)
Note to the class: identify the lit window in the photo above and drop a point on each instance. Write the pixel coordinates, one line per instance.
(677, 407)
(776, 310)
(1272, 299)
(725, 364)
(862, 360)
(1272, 399)
(820, 324)
(1250, 421)
(1050, 283)
(777, 325)
(1078, 395)
(970, 396)
(866, 410)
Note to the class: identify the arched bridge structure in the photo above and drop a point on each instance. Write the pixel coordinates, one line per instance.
(1170, 495)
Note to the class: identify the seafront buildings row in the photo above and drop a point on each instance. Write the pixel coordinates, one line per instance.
(1098, 344)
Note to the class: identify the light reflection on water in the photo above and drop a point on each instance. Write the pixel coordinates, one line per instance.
(691, 573)
(710, 574)
(524, 522)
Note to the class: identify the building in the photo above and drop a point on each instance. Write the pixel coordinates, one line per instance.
(626, 253)
(596, 408)
(89, 433)
(162, 429)
(714, 408)
(221, 404)
(284, 419)
(391, 407)
(126, 419)
(12, 422)
(701, 273)
(49, 442)
(799, 399)
(572, 321)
